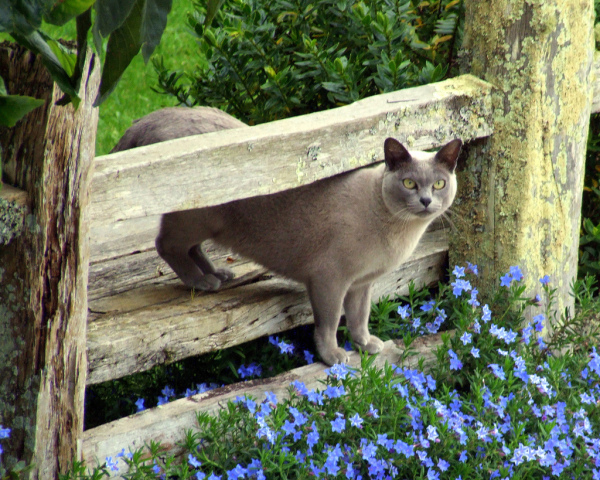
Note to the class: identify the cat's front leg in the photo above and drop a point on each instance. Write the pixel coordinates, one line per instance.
(357, 306)
(326, 301)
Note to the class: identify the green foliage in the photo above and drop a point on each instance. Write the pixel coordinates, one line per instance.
(264, 61)
(498, 404)
(589, 243)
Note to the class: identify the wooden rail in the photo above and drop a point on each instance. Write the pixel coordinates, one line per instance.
(141, 316)
(167, 424)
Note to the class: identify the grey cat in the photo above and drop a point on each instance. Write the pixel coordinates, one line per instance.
(336, 236)
(175, 122)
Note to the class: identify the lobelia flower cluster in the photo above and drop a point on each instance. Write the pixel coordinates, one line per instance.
(497, 405)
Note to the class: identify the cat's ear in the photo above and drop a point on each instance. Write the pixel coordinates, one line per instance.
(448, 154)
(395, 154)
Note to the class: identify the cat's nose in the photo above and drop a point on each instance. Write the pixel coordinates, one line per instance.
(425, 201)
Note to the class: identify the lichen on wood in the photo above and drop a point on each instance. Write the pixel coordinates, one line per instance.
(520, 194)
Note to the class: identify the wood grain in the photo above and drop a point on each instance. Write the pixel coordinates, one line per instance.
(131, 189)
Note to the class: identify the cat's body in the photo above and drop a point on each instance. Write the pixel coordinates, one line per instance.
(336, 235)
(175, 122)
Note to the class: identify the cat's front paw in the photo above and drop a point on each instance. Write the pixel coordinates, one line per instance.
(334, 355)
(373, 345)
(224, 274)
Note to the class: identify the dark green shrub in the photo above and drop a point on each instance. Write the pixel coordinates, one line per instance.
(264, 60)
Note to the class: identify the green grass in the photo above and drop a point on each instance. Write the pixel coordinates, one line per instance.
(133, 98)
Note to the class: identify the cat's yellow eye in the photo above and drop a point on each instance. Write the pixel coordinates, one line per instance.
(408, 183)
(439, 184)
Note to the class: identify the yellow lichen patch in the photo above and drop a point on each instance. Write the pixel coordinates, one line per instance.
(528, 173)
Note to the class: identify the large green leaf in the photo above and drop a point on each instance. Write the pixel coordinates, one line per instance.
(15, 107)
(124, 44)
(59, 63)
(23, 16)
(154, 21)
(65, 10)
(111, 14)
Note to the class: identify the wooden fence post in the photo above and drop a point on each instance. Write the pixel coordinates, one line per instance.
(520, 193)
(43, 272)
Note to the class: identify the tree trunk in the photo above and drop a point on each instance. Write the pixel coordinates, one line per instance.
(43, 273)
(521, 188)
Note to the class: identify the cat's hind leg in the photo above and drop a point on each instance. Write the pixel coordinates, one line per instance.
(357, 306)
(178, 243)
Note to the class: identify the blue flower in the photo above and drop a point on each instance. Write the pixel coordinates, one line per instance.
(139, 403)
(466, 338)
(463, 456)
(112, 464)
(339, 371)
(168, 391)
(356, 421)
(505, 280)
(516, 274)
(459, 286)
(443, 465)
(404, 311)
(237, 472)
(271, 397)
(313, 436)
(339, 424)
(473, 268)
(487, 313)
(193, 461)
(458, 272)
(455, 363)
(545, 280)
(162, 400)
(373, 412)
(432, 474)
(4, 432)
(475, 352)
(427, 306)
(497, 371)
(285, 347)
(308, 357)
(432, 433)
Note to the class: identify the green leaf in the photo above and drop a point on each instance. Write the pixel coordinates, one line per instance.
(23, 17)
(111, 14)
(212, 7)
(154, 21)
(65, 10)
(15, 107)
(124, 44)
(59, 63)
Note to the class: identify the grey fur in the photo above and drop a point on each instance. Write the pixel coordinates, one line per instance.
(175, 122)
(336, 236)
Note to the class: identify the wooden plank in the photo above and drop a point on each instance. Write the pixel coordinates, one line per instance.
(163, 322)
(596, 82)
(132, 189)
(167, 424)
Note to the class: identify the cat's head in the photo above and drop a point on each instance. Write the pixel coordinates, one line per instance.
(419, 184)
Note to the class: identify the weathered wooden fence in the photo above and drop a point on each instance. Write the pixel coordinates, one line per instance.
(141, 315)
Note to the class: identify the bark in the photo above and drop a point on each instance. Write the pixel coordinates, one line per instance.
(521, 189)
(43, 272)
